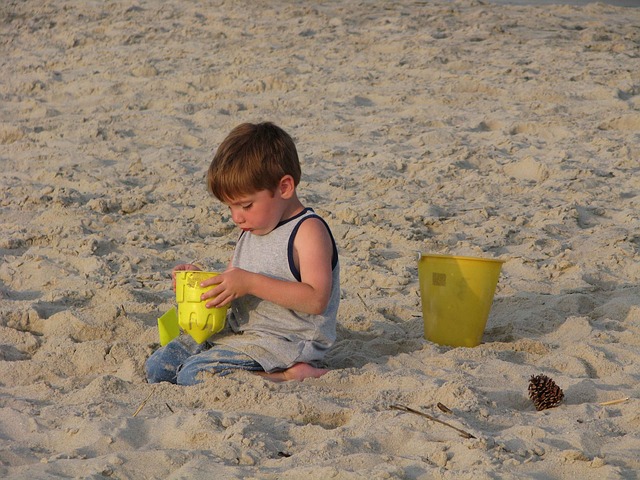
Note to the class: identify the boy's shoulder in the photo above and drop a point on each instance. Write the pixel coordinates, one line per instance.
(314, 236)
(312, 223)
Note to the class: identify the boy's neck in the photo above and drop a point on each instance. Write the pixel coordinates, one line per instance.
(293, 208)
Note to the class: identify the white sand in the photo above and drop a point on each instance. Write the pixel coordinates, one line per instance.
(443, 127)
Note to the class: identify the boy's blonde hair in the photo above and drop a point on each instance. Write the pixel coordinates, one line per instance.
(251, 158)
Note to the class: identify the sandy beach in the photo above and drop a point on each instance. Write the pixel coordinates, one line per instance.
(450, 127)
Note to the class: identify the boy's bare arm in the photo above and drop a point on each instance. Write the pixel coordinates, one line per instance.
(313, 252)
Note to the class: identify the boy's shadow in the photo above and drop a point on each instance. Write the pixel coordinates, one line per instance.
(527, 315)
(383, 338)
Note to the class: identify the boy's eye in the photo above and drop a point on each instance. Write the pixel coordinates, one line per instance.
(247, 206)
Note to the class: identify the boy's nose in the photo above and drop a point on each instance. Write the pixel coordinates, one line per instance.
(237, 217)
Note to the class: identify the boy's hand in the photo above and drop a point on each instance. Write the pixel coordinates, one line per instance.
(233, 283)
(182, 267)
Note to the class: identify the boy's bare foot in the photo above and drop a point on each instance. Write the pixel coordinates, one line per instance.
(297, 372)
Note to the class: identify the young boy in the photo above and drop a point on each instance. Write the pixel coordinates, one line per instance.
(283, 280)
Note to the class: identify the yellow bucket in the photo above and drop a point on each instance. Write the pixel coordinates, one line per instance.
(193, 316)
(457, 293)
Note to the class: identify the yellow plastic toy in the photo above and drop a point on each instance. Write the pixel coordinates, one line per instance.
(168, 327)
(457, 294)
(193, 316)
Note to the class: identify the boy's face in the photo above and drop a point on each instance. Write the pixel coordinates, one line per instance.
(259, 212)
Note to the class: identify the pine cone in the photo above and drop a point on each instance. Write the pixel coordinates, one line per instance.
(544, 392)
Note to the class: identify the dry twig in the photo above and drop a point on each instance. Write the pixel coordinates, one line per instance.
(144, 402)
(403, 408)
(613, 402)
(365, 305)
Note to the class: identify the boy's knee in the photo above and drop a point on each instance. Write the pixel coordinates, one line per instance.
(157, 372)
(187, 375)
(150, 373)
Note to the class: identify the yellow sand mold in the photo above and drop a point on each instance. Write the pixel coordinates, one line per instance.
(193, 316)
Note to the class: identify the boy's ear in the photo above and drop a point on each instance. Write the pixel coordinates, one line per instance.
(287, 187)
